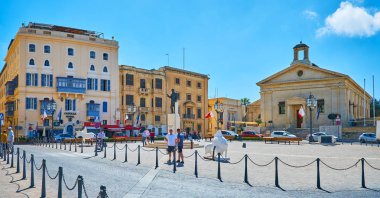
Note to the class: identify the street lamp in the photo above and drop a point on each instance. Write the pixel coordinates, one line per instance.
(218, 106)
(132, 109)
(52, 106)
(311, 103)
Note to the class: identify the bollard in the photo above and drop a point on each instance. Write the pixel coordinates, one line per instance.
(56, 145)
(80, 186)
(64, 144)
(5, 155)
(60, 176)
(18, 161)
(196, 164)
(24, 165)
(43, 188)
(75, 145)
(8, 157)
(276, 172)
(70, 145)
(12, 157)
(219, 176)
(318, 175)
(114, 150)
(246, 168)
(244, 145)
(126, 153)
(213, 153)
(31, 171)
(363, 179)
(191, 144)
(138, 155)
(60, 145)
(156, 158)
(103, 192)
(174, 162)
(81, 149)
(96, 146)
(105, 152)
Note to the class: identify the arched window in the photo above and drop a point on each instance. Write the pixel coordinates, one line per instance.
(70, 65)
(47, 64)
(31, 61)
(92, 68)
(47, 49)
(105, 69)
(92, 54)
(70, 51)
(105, 56)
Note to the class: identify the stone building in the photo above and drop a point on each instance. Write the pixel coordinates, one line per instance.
(77, 69)
(253, 111)
(283, 93)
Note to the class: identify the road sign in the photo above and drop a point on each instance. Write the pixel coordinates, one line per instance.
(1, 116)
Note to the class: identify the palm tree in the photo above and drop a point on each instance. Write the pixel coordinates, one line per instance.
(245, 102)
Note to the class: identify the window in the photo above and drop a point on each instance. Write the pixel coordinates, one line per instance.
(158, 83)
(92, 54)
(31, 62)
(31, 79)
(199, 98)
(46, 80)
(199, 113)
(129, 99)
(188, 97)
(105, 56)
(129, 79)
(199, 127)
(321, 105)
(104, 107)
(142, 83)
(281, 107)
(142, 117)
(70, 51)
(158, 102)
(32, 48)
(46, 122)
(31, 103)
(104, 122)
(105, 85)
(157, 118)
(188, 83)
(199, 85)
(47, 63)
(70, 105)
(47, 49)
(70, 65)
(105, 70)
(92, 83)
(142, 102)
(92, 68)
(177, 81)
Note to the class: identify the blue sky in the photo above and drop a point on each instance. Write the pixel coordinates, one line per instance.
(237, 43)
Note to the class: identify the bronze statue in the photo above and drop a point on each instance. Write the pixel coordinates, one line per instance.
(173, 98)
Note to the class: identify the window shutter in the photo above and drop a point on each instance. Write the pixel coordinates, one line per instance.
(27, 103)
(43, 80)
(102, 85)
(27, 79)
(36, 80)
(35, 103)
(51, 80)
(67, 105)
(96, 84)
(108, 85)
(74, 105)
(89, 83)
(104, 106)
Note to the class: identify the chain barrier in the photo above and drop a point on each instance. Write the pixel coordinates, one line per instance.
(84, 189)
(68, 188)
(261, 165)
(132, 150)
(237, 161)
(202, 157)
(21, 157)
(36, 166)
(295, 166)
(189, 155)
(28, 161)
(52, 178)
(147, 149)
(120, 148)
(162, 152)
(341, 169)
(110, 146)
(371, 165)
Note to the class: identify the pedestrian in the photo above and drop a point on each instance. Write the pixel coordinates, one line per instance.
(147, 135)
(152, 136)
(11, 139)
(199, 136)
(4, 138)
(144, 136)
(171, 138)
(180, 139)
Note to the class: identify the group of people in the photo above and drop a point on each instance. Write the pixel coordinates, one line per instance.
(148, 136)
(175, 142)
(7, 140)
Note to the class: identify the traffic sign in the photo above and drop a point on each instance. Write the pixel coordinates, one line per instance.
(1, 116)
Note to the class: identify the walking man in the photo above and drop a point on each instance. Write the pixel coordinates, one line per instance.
(180, 139)
(171, 139)
(11, 139)
(4, 138)
(152, 135)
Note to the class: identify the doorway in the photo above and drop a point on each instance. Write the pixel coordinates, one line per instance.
(70, 130)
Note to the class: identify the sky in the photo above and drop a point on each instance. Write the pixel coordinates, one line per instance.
(236, 42)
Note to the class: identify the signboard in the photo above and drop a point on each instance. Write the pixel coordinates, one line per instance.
(1, 116)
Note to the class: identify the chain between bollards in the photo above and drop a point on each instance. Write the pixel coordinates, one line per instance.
(219, 174)
(156, 158)
(24, 165)
(18, 161)
(318, 175)
(246, 169)
(43, 189)
(363, 179)
(138, 154)
(31, 171)
(196, 164)
(126, 153)
(276, 172)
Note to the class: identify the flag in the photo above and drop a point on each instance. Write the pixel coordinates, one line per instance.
(96, 118)
(209, 115)
(59, 116)
(137, 119)
(126, 117)
(44, 116)
(317, 113)
(301, 112)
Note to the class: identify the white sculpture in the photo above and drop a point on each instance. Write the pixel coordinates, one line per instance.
(219, 142)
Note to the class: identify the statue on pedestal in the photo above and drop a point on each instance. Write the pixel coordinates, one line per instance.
(173, 99)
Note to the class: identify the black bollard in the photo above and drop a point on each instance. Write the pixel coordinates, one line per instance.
(138, 154)
(246, 169)
(43, 188)
(156, 158)
(60, 145)
(174, 162)
(12, 150)
(105, 152)
(8, 157)
(103, 192)
(5, 155)
(18, 161)
(24, 164)
(213, 153)
(56, 145)
(60, 176)
(64, 144)
(81, 149)
(318, 175)
(70, 145)
(96, 146)
(80, 186)
(75, 145)
(126, 153)
(276, 172)
(31, 171)
(219, 176)
(363, 179)
(196, 164)
(114, 150)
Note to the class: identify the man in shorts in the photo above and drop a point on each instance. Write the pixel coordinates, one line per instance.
(180, 139)
(11, 139)
(4, 139)
(171, 139)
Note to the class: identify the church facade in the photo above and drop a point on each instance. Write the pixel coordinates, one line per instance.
(284, 93)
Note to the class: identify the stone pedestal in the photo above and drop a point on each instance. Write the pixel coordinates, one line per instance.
(174, 122)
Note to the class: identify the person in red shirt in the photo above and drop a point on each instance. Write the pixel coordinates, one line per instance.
(152, 135)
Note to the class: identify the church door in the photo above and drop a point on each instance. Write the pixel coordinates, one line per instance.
(299, 120)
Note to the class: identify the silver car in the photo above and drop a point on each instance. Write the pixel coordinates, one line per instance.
(367, 137)
(282, 134)
(319, 134)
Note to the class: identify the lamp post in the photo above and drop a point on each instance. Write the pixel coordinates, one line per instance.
(218, 106)
(132, 109)
(311, 103)
(52, 106)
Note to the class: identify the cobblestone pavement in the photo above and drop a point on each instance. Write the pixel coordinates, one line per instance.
(127, 179)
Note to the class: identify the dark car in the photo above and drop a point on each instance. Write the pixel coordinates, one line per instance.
(250, 133)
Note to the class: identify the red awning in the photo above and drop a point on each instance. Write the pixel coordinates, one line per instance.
(129, 127)
(92, 124)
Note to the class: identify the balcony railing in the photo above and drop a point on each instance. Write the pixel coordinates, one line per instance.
(93, 113)
(144, 91)
(93, 109)
(71, 85)
(188, 116)
(144, 109)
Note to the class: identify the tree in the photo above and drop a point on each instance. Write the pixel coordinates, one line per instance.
(245, 102)
(377, 108)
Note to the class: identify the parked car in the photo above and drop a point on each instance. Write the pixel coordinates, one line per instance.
(282, 134)
(85, 135)
(62, 137)
(119, 135)
(318, 134)
(251, 133)
(367, 137)
(230, 133)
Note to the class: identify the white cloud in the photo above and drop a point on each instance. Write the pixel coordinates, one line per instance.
(310, 14)
(349, 20)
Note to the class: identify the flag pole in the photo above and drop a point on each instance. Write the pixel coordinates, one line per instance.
(373, 100)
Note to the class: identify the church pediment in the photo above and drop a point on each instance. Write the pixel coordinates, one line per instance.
(300, 72)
